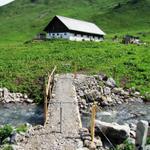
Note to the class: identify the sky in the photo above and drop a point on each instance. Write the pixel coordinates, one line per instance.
(4, 2)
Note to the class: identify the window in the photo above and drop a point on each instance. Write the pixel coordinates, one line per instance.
(65, 33)
(57, 33)
(75, 34)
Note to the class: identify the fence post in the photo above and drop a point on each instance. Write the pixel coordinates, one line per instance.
(93, 122)
(45, 104)
(60, 117)
(75, 70)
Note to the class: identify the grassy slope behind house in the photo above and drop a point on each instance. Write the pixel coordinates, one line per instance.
(22, 66)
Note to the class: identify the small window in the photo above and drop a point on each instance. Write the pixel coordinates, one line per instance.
(65, 33)
(75, 34)
(57, 33)
(53, 34)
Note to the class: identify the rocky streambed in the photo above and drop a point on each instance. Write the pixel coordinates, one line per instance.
(17, 108)
(19, 117)
(118, 110)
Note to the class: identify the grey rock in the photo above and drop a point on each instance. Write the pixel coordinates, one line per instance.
(131, 140)
(132, 134)
(92, 146)
(141, 134)
(124, 93)
(13, 138)
(107, 91)
(86, 137)
(132, 126)
(5, 92)
(8, 100)
(1, 92)
(93, 95)
(147, 147)
(98, 142)
(110, 82)
(81, 93)
(29, 100)
(148, 134)
(83, 148)
(117, 90)
(137, 93)
(79, 143)
(25, 96)
(87, 143)
(83, 130)
(117, 133)
(104, 103)
(109, 99)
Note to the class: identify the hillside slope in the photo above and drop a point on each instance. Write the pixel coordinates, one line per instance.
(22, 19)
(23, 66)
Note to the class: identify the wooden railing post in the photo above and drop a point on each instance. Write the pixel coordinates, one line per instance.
(48, 93)
(93, 122)
(45, 104)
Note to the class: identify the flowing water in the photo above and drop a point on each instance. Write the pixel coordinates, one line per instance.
(125, 113)
(16, 114)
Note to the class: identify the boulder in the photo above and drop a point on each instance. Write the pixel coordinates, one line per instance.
(81, 93)
(92, 146)
(5, 92)
(98, 142)
(93, 95)
(117, 90)
(141, 134)
(147, 147)
(29, 100)
(25, 96)
(1, 92)
(110, 82)
(115, 132)
(107, 91)
(87, 143)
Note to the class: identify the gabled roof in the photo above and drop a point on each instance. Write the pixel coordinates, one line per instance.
(81, 26)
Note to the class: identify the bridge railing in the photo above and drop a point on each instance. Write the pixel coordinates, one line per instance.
(49, 83)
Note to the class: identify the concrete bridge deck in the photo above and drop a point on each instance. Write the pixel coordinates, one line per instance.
(49, 137)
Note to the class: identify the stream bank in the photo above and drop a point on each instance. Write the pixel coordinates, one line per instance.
(118, 109)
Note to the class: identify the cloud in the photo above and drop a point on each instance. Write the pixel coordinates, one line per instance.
(4, 2)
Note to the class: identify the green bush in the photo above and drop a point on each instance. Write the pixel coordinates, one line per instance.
(21, 128)
(5, 132)
(126, 146)
(148, 140)
(8, 147)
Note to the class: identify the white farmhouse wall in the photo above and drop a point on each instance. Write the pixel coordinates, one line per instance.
(73, 37)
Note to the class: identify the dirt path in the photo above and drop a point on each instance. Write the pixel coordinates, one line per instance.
(49, 137)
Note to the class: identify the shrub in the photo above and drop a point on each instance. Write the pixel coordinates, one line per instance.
(148, 140)
(126, 146)
(8, 147)
(21, 128)
(5, 132)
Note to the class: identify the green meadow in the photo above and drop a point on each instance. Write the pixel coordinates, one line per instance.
(23, 66)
